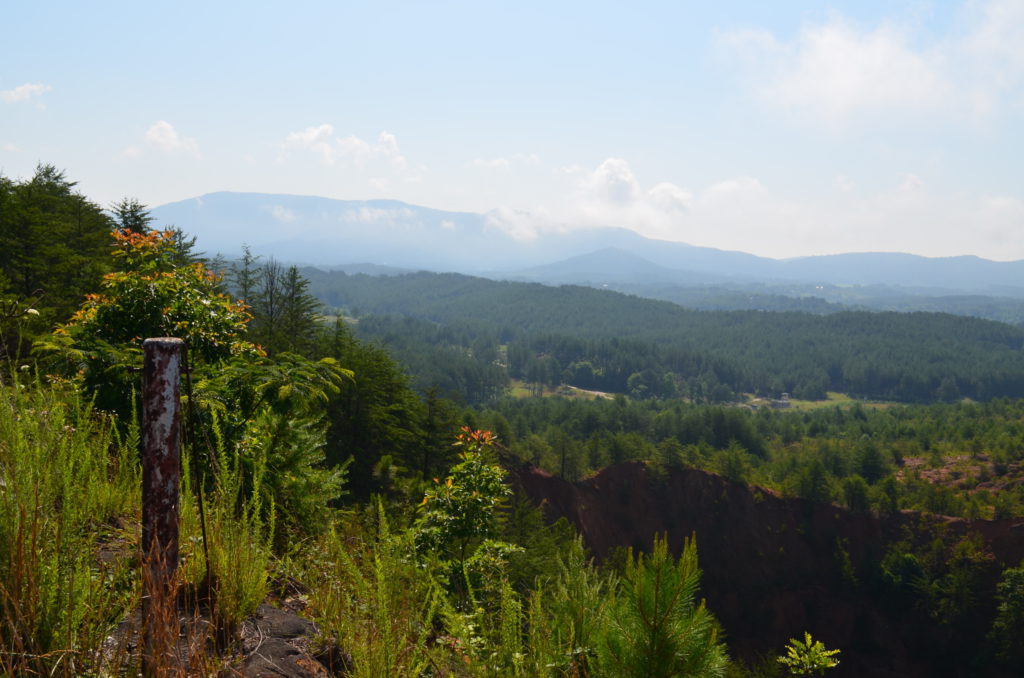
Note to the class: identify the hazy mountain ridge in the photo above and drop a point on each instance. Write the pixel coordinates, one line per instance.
(394, 234)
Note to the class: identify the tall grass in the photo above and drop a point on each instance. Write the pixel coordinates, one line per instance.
(377, 601)
(65, 479)
(239, 530)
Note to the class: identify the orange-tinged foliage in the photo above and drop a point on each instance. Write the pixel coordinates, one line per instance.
(152, 297)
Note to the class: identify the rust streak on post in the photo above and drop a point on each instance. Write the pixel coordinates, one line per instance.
(161, 463)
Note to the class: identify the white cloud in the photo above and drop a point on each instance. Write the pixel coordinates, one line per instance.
(742, 190)
(9, 147)
(379, 216)
(361, 152)
(517, 224)
(611, 195)
(387, 145)
(612, 183)
(996, 38)
(281, 213)
(162, 137)
(992, 56)
(669, 199)
(318, 140)
(24, 92)
(1002, 222)
(381, 157)
(913, 217)
(908, 216)
(911, 183)
(507, 162)
(744, 213)
(836, 72)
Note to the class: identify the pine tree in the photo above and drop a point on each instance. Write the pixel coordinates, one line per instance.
(577, 606)
(245, 276)
(131, 216)
(808, 657)
(300, 313)
(54, 243)
(286, 316)
(376, 413)
(1009, 620)
(656, 628)
(438, 426)
(265, 304)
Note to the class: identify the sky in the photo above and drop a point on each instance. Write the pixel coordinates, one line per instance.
(782, 129)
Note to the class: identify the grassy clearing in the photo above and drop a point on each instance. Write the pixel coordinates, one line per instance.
(522, 389)
(833, 399)
(839, 400)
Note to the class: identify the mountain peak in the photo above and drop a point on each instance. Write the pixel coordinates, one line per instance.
(330, 232)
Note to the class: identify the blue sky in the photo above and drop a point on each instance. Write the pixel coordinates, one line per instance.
(783, 128)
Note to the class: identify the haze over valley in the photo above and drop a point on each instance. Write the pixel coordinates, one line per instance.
(382, 237)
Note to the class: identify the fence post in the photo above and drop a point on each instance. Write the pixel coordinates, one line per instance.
(161, 464)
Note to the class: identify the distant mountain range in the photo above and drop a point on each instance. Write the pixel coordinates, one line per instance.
(387, 236)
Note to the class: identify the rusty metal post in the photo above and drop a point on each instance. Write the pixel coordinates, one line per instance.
(161, 464)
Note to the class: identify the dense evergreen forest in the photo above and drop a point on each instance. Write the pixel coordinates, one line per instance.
(827, 299)
(607, 341)
(350, 460)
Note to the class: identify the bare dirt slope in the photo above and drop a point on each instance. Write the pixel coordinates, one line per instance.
(775, 567)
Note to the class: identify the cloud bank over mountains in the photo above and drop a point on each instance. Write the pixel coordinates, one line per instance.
(908, 215)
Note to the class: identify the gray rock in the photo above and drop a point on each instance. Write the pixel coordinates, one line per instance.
(270, 621)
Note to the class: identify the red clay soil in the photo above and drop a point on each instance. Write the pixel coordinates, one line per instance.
(774, 567)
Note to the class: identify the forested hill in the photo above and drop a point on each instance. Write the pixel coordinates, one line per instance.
(610, 341)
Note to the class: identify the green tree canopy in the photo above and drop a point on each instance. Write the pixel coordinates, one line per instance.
(153, 296)
(54, 247)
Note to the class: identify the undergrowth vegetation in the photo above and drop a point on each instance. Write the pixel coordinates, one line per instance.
(69, 491)
(400, 609)
(234, 556)
(433, 597)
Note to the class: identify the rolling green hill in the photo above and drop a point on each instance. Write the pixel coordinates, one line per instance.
(615, 342)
